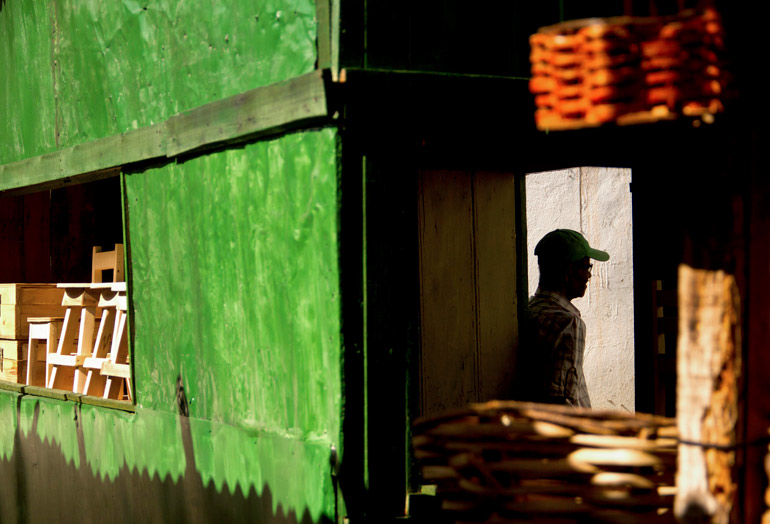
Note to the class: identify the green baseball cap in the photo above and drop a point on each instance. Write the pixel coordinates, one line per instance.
(567, 245)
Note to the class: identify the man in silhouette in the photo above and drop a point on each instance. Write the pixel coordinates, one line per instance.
(551, 365)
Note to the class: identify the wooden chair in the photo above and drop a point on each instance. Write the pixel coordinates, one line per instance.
(108, 330)
(116, 368)
(78, 324)
(107, 261)
(81, 317)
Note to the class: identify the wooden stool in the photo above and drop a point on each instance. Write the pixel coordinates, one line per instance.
(41, 329)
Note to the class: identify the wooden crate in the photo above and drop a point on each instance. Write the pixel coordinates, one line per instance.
(13, 361)
(18, 302)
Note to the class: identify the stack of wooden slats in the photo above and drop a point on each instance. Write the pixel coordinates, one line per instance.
(18, 302)
(524, 462)
(628, 70)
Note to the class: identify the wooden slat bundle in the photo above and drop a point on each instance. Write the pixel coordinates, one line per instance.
(628, 70)
(507, 461)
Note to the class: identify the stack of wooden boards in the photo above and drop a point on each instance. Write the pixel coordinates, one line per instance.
(525, 462)
(18, 302)
(628, 70)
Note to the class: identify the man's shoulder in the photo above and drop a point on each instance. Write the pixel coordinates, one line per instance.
(545, 307)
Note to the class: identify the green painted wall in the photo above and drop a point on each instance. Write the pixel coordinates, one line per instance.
(27, 114)
(76, 70)
(235, 288)
(234, 267)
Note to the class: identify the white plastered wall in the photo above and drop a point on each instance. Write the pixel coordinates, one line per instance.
(597, 202)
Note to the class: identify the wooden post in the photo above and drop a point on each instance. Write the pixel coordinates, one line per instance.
(708, 366)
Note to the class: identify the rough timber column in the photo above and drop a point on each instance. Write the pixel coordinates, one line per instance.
(708, 367)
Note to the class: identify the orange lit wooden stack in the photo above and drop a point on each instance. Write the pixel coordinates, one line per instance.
(523, 462)
(628, 70)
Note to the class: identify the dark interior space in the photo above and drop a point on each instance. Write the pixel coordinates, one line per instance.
(48, 236)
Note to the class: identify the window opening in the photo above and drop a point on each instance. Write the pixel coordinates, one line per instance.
(62, 290)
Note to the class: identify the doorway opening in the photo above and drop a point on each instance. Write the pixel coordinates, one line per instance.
(595, 201)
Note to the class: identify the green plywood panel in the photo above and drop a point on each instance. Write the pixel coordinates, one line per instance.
(27, 113)
(236, 285)
(76, 70)
(123, 65)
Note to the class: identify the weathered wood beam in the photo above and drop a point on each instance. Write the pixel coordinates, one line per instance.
(323, 32)
(57, 394)
(708, 368)
(267, 110)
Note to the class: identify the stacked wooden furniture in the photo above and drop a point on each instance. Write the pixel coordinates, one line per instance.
(76, 338)
(525, 462)
(628, 70)
(19, 302)
(92, 353)
(108, 370)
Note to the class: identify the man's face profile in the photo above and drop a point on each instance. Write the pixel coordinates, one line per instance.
(578, 274)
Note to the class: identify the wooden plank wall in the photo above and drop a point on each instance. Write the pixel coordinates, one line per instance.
(467, 287)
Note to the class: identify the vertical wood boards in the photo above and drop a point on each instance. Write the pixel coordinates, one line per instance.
(24, 238)
(495, 233)
(709, 364)
(447, 289)
(11, 239)
(37, 237)
(468, 287)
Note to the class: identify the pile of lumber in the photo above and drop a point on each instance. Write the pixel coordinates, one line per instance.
(19, 302)
(628, 70)
(525, 462)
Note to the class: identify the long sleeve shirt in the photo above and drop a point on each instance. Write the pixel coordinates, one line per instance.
(555, 342)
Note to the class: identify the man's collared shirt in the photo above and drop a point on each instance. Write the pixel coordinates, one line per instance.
(557, 343)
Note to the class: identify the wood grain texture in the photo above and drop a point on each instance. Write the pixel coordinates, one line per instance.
(495, 240)
(14, 349)
(447, 290)
(709, 364)
(502, 462)
(264, 110)
(468, 287)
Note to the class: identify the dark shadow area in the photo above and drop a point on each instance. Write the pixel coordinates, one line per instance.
(48, 236)
(39, 485)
